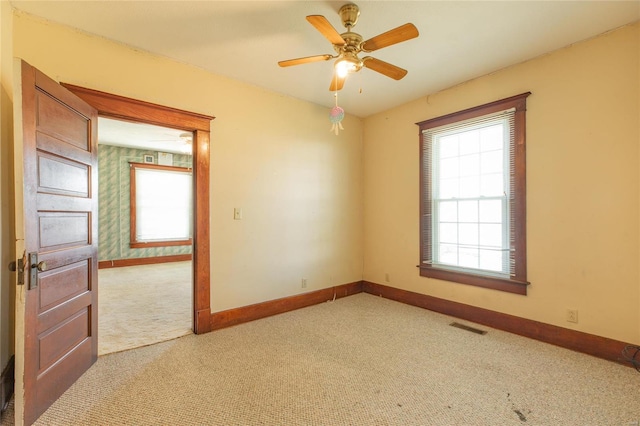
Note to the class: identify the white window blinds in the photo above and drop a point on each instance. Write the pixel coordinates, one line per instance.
(163, 205)
(468, 169)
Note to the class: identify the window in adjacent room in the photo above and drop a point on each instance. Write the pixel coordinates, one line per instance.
(473, 196)
(161, 200)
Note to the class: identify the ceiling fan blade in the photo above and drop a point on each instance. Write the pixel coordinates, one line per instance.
(396, 35)
(326, 29)
(306, 60)
(384, 68)
(337, 83)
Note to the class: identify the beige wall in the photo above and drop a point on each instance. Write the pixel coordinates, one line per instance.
(299, 186)
(582, 187)
(6, 185)
(304, 192)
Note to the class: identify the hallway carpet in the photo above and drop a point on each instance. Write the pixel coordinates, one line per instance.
(142, 305)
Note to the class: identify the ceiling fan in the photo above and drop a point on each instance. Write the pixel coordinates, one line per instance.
(349, 44)
(184, 140)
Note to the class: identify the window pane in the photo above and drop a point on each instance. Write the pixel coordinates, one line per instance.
(491, 235)
(469, 142)
(491, 260)
(491, 162)
(492, 185)
(448, 211)
(468, 257)
(470, 165)
(491, 211)
(470, 187)
(468, 234)
(448, 146)
(449, 168)
(448, 253)
(468, 211)
(449, 188)
(492, 137)
(449, 233)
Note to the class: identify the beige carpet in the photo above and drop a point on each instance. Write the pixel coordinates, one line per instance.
(142, 305)
(362, 360)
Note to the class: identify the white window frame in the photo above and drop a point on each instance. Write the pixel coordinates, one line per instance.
(437, 200)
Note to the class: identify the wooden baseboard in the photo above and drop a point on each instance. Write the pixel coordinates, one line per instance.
(143, 261)
(601, 347)
(202, 321)
(273, 307)
(7, 381)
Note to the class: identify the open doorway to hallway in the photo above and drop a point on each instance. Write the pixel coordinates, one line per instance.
(145, 235)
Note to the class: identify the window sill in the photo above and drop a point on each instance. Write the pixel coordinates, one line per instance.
(494, 283)
(168, 243)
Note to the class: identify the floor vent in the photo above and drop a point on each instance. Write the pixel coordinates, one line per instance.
(466, 327)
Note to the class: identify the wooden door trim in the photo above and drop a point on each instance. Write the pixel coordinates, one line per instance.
(128, 109)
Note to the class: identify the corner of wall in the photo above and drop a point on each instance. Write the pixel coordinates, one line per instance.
(7, 235)
(7, 289)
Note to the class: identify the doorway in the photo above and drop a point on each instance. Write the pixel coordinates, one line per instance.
(145, 234)
(118, 107)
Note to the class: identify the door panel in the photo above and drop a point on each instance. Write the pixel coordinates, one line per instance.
(62, 338)
(61, 230)
(60, 376)
(52, 317)
(60, 219)
(62, 284)
(52, 145)
(58, 120)
(64, 177)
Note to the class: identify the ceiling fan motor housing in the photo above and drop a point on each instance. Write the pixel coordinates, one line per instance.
(352, 42)
(349, 14)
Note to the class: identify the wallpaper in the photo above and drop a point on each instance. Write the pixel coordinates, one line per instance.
(114, 200)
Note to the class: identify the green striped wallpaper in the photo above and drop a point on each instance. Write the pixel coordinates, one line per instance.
(113, 204)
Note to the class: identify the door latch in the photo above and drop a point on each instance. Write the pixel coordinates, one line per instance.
(34, 269)
(18, 266)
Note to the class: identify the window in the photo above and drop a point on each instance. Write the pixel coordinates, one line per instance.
(473, 196)
(161, 206)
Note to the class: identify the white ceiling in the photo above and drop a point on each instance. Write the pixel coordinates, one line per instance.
(244, 40)
(143, 136)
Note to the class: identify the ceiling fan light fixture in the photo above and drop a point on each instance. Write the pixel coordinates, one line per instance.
(346, 65)
(349, 44)
(187, 140)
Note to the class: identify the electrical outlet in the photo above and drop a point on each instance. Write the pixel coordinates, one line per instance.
(572, 315)
(386, 277)
(304, 283)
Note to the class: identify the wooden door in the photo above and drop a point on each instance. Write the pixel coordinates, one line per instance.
(60, 188)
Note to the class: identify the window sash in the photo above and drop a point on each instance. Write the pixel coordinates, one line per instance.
(435, 138)
(503, 248)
